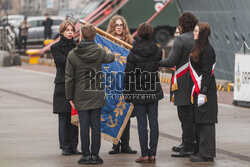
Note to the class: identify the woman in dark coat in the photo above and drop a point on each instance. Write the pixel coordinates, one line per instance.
(143, 89)
(68, 133)
(118, 27)
(204, 93)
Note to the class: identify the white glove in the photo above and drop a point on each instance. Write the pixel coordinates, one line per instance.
(201, 99)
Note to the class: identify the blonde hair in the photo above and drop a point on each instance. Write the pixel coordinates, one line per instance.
(125, 32)
(65, 24)
(88, 31)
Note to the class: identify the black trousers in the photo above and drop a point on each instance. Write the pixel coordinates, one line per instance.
(90, 118)
(125, 136)
(22, 41)
(186, 116)
(206, 140)
(68, 133)
(143, 112)
(47, 36)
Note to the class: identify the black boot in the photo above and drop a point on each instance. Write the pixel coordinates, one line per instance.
(115, 149)
(66, 152)
(177, 148)
(200, 159)
(183, 154)
(75, 151)
(127, 149)
(84, 160)
(96, 160)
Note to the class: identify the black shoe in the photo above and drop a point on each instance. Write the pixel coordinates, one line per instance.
(66, 152)
(183, 154)
(200, 159)
(84, 160)
(128, 150)
(75, 151)
(115, 149)
(96, 160)
(177, 148)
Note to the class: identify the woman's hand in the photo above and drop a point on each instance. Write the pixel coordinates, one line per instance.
(163, 54)
(72, 103)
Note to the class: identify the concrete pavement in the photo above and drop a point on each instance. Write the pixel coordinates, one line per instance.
(29, 137)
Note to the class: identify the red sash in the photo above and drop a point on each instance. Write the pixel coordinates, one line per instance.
(181, 71)
(197, 81)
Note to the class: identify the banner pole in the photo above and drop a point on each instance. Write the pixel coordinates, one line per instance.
(109, 36)
(114, 38)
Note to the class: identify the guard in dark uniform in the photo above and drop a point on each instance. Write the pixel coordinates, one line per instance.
(179, 58)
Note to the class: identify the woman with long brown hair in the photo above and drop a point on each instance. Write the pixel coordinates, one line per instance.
(118, 27)
(204, 93)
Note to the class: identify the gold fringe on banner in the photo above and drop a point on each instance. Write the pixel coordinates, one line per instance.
(117, 139)
(75, 120)
(172, 99)
(174, 87)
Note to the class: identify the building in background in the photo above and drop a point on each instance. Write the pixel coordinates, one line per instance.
(76, 3)
(40, 7)
(9, 7)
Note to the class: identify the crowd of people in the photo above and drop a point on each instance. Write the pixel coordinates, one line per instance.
(193, 89)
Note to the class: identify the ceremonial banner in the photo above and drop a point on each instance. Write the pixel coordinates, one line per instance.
(74, 117)
(115, 115)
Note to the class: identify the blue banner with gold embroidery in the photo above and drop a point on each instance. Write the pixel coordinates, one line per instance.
(115, 115)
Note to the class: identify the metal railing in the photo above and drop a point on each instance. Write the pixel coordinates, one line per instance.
(7, 40)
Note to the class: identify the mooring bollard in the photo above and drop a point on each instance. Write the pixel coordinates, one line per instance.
(33, 55)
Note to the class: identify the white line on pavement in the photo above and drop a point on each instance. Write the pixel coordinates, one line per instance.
(33, 72)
